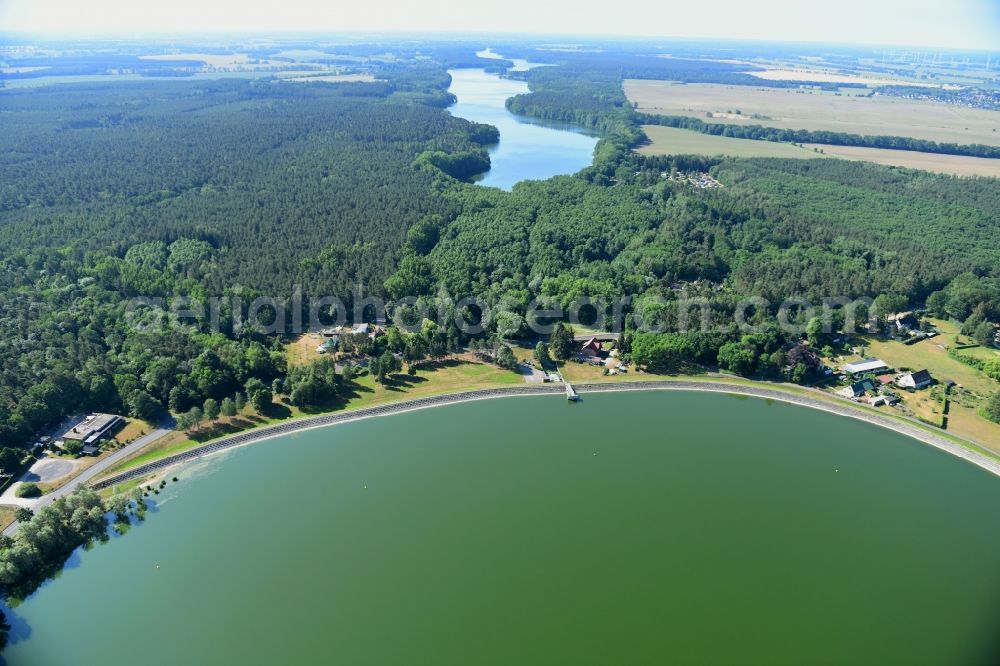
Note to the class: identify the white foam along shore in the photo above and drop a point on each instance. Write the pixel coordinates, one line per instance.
(827, 403)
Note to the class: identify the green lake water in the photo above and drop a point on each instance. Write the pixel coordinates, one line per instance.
(639, 528)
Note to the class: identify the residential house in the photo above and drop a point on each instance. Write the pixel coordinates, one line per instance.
(915, 380)
(592, 350)
(903, 323)
(857, 389)
(329, 345)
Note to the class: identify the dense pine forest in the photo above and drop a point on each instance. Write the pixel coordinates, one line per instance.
(240, 188)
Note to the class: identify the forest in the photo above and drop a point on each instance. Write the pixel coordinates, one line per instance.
(242, 188)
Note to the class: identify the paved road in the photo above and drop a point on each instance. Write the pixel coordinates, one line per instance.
(50, 469)
(86, 476)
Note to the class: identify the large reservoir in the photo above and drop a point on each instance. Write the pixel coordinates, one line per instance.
(648, 527)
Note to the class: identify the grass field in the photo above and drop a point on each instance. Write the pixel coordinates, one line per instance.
(674, 141)
(817, 110)
(302, 350)
(831, 76)
(219, 60)
(134, 428)
(334, 78)
(6, 516)
(957, 165)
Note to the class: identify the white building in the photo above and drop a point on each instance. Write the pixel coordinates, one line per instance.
(863, 366)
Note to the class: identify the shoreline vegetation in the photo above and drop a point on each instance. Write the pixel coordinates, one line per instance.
(963, 449)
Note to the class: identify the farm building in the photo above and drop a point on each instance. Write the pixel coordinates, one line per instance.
(863, 366)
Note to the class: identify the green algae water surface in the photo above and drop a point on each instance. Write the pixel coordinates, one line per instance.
(632, 528)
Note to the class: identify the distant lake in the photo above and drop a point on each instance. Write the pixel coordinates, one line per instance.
(528, 149)
(631, 528)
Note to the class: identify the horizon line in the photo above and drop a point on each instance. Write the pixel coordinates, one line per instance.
(364, 34)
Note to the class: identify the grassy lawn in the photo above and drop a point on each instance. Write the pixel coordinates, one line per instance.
(449, 376)
(968, 423)
(581, 373)
(6, 516)
(583, 329)
(958, 165)
(674, 141)
(302, 350)
(931, 354)
(120, 488)
(134, 429)
(923, 405)
(167, 445)
(984, 353)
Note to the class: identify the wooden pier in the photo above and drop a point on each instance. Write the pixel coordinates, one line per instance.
(571, 393)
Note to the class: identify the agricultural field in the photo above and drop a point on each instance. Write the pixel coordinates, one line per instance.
(956, 165)
(830, 76)
(817, 110)
(333, 78)
(217, 60)
(674, 141)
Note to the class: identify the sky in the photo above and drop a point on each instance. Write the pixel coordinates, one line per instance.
(932, 23)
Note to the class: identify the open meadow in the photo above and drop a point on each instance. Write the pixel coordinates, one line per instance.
(956, 165)
(817, 110)
(333, 78)
(674, 141)
(834, 76)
